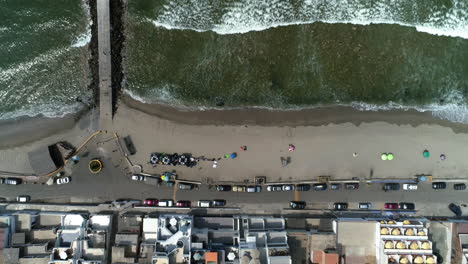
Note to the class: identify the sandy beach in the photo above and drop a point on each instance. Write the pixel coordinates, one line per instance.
(325, 141)
(20, 136)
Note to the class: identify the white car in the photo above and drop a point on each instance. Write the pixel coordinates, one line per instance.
(410, 187)
(63, 180)
(138, 177)
(166, 203)
(204, 203)
(23, 198)
(288, 187)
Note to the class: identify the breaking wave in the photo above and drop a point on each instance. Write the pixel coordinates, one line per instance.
(449, 18)
(453, 112)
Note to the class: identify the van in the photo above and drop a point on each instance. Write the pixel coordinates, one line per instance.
(185, 186)
(12, 181)
(166, 203)
(204, 203)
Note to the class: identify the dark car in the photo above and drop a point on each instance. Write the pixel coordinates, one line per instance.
(320, 187)
(352, 186)
(455, 209)
(391, 206)
(335, 186)
(183, 204)
(439, 185)
(223, 188)
(459, 186)
(218, 203)
(406, 206)
(392, 186)
(297, 204)
(274, 188)
(303, 187)
(340, 206)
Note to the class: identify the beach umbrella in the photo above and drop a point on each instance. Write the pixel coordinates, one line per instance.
(231, 256)
(390, 156)
(197, 256)
(233, 155)
(384, 156)
(426, 153)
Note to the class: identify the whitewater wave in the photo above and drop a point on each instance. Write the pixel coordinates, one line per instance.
(82, 40)
(242, 16)
(46, 110)
(453, 112)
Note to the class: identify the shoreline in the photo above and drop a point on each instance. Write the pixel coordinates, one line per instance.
(319, 116)
(23, 130)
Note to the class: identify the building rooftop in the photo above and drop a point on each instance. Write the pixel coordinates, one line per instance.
(358, 241)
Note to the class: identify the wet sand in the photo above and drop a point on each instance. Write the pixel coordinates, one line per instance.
(277, 118)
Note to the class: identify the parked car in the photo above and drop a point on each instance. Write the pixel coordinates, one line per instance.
(238, 188)
(185, 186)
(352, 186)
(297, 204)
(218, 203)
(137, 177)
(455, 209)
(288, 187)
(150, 202)
(391, 186)
(274, 188)
(223, 188)
(391, 206)
(320, 186)
(166, 203)
(459, 186)
(340, 206)
(335, 186)
(23, 198)
(303, 187)
(406, 206)
(410, 186)
(365, 206)
(63, 180)
(12, 181)
(255, 188)
(183, 203)
(204, 203)
(439, 185)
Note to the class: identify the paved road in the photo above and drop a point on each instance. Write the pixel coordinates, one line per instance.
(113, 183)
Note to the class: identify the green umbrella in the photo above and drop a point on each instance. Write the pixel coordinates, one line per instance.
(384, 156)
(390, 156)
(426, 153)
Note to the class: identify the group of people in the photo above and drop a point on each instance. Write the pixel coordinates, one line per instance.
(175, 159)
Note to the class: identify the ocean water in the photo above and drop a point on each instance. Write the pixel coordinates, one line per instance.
(44, 57)
(290, 54)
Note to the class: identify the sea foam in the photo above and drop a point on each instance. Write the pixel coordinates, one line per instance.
(243, 16)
